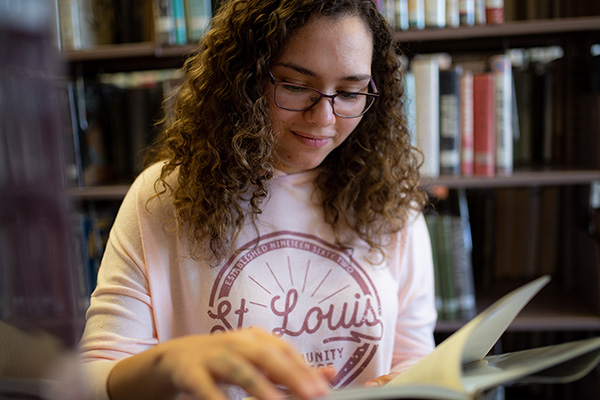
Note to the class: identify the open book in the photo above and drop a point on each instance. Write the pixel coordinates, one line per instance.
(460, 369)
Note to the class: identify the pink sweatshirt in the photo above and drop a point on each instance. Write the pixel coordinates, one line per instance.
(363, 313)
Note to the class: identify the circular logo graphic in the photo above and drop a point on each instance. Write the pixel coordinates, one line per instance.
(306, 291)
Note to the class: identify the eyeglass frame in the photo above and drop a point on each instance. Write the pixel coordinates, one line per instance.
(276, 83)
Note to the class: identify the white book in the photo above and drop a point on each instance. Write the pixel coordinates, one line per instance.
(501, 67)
(427, 113)
(452, 13)
(435, 13)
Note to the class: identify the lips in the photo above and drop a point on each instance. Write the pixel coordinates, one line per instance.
(312, 141)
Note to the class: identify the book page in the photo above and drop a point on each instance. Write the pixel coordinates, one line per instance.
(470, 343)
(560, 363)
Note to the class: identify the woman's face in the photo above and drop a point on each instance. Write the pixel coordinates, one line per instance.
(331, 56)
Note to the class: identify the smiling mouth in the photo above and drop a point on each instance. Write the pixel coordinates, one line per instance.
(315, 138)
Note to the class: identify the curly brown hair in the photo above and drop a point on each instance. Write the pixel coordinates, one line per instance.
(221, 141)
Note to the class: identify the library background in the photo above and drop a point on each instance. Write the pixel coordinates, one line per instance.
(504, 103)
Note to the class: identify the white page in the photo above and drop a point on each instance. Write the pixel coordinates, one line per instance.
(444, 365)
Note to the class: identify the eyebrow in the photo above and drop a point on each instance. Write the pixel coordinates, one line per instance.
(308, 72)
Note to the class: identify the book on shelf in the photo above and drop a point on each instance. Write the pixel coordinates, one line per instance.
(450, 118)
(416, 14)
(501, 68)
(484, 116)
(198, 14)
(115, 116)
(467, 149)
(467, 12)
(494, 11)
(462, 368)
(97, 24)
(435, 13)
(68, 25)
(427, 92)
(134, 21)
(452, 13)
(451, 244)
(164, 22)
(480, 12)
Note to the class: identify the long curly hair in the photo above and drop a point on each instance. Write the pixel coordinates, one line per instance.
(221, 141)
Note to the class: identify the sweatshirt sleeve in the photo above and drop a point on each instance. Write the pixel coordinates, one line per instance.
(120, 319)
(416, 301)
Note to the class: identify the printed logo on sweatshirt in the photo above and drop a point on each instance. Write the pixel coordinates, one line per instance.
(303, 290)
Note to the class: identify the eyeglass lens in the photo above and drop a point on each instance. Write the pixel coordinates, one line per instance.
(299, 98)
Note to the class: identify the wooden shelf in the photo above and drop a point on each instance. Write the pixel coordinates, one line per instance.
(129, 50)
(494, 38)
(508, 29)
(517, 179)
(108, 192)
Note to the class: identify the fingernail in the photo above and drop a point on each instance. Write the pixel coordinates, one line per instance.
(371, 384)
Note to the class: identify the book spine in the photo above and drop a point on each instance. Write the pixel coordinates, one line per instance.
(97, 23)
(179, 21)
(432, 221)
(466, 124)
(467, 12)
(452, 13)
(494, 11)
(198, 14)
(463, 270)
(416, 14)
(68, 17)
(480, 12)
(389, 12)
(164, 22)
(484, 123)
(401, 15)
(410, 106)
(450, 121)
(435, 13)
(427, 92)
(502, 70)
(450, 302)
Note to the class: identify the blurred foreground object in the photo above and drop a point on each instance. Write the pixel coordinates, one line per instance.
(40, 320)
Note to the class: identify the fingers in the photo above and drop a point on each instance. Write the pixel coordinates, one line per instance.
(236, 370)
(282, 365)
(381, 380)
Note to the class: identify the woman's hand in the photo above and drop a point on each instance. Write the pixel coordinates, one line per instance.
(381, 380)
(251, 358)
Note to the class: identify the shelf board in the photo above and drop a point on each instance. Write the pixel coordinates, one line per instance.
(129, 50)
(107, 192)
(508, 29)
(517, 179)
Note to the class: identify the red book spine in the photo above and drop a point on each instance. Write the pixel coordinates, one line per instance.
(494, 11)
(484, 123)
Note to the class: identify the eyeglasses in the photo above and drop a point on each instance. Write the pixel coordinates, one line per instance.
(293, 97)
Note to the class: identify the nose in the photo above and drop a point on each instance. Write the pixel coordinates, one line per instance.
(321, 114)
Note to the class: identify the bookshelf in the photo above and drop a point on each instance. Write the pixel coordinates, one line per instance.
(559, 307)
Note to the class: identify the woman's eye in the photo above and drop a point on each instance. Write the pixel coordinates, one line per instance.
(295, 89)
(349, 96)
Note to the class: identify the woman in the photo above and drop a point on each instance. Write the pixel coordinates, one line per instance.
(277, 242)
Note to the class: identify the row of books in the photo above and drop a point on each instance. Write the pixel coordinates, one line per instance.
(85, 24)
(482, 115)
(90, 226)
(111, 122)
(428, 14)
(452, 248)
(422, 14)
